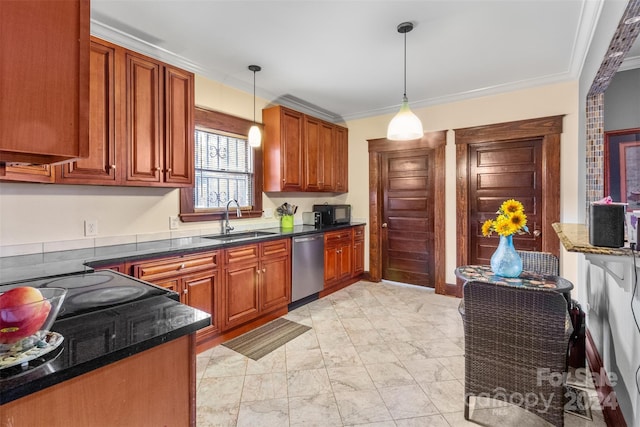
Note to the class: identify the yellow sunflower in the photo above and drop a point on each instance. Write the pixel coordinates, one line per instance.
(487, 228)
(511, 206)
(518, 220)
(503, 226)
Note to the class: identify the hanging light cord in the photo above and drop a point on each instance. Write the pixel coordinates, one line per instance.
(254, 96)
(405, 66)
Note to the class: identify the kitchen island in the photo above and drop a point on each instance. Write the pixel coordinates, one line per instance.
(125, 364)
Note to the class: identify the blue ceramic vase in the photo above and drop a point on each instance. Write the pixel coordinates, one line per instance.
(505, 261)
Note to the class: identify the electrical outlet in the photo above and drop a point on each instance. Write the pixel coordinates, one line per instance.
(173, 222)
(90, 227)
(267, 213)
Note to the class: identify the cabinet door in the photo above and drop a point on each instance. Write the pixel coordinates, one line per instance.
(101, 165)
(312, 154)
(344, 260)
(44, 82)
(240, 295)
(275, 289)
(358, 251)
(292, 151)
(143, 119)
(330, 265)
(328, 156)
(27, 173)
(341, 160)
(172, 283)
(202, 291)
(179, 127)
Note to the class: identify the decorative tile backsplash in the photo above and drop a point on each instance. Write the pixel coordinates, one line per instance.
(621, 42)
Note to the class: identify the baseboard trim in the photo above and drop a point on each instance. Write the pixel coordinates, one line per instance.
(606, 394)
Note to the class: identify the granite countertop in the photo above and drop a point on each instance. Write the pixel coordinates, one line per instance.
(28, 267)
(101, 337)
(575, 238)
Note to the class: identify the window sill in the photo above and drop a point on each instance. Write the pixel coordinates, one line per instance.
(217, 216)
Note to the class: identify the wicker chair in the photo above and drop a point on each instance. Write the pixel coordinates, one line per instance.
(516, 346)
(540, 262)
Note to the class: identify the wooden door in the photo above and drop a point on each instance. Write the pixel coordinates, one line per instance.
(101, 165)
(345, 255)
(143, 119)
(27, 173)
(407, 216)
(179, 127)
(497, 172)
(330, 265)
(312, 154)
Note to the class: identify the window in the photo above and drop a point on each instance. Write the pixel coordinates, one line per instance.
(225, 168)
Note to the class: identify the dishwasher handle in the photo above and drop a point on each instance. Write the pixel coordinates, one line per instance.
(306, 239)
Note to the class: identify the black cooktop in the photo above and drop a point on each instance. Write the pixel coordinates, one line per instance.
(96, 291)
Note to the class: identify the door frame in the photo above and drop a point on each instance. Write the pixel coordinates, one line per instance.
(547, 128)
(431, 140)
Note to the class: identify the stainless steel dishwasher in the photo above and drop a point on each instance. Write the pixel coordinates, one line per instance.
(307, 270)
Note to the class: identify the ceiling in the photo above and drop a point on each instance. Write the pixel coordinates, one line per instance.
(343, 60)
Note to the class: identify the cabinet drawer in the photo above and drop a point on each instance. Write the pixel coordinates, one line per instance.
(240, 254)
(337, 236)
(358, 233)
(170, 266)
(276, 248)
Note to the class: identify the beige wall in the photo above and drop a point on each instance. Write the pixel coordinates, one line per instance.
(558, 99)
(31, 214)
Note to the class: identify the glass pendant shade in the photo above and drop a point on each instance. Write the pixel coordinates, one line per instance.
(255, 136)
(405, 126)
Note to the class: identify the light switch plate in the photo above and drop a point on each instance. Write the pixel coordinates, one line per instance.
(267, 213)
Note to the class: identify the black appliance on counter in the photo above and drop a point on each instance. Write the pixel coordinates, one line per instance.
(334, 214)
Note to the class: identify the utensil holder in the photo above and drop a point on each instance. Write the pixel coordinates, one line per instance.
(286, 222)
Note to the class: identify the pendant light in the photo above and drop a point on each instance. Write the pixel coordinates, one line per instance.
(405, 125)
(255, 137)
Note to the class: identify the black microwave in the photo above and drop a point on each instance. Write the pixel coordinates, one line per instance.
(334, 214)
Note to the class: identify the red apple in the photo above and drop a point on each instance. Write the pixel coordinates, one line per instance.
(23, 311)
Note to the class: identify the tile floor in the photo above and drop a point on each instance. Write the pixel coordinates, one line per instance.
(378, 354)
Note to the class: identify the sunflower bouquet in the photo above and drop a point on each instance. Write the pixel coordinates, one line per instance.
(510, 219)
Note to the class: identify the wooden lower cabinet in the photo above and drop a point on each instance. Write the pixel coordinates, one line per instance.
(343, 258)
(257, 280)
(358, 250)
(153, 388)
(196, 278)
(337, 256)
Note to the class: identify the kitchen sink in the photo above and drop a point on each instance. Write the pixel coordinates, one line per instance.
(239, 236)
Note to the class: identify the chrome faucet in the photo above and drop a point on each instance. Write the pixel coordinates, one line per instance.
(228, 228)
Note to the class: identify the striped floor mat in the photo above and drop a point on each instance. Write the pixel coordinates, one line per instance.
(263, 340)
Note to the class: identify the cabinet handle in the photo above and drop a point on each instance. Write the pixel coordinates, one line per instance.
(264, 270)
(113, 167)
(156, 169)
(168, 170)
(182, 266)
(185, 291)
(384, 225)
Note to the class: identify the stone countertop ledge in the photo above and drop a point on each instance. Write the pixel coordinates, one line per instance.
(575, 238)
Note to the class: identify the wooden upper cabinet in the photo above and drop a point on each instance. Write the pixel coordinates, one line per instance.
(327, 155)
(313, 165)
(341, 160)
(44, 106)
(101, 165)
(143, 119)
(283, 149)
(300, 152)
(179, 126)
